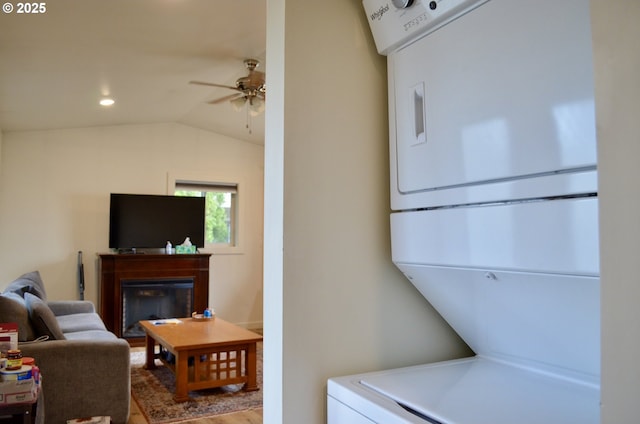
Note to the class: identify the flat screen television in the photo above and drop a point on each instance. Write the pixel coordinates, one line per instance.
(149, 221)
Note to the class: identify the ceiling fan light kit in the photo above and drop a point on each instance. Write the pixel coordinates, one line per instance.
(238, 103)
(256, 106)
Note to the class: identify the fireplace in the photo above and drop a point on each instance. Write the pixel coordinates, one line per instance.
(154, 299)
(136, 287)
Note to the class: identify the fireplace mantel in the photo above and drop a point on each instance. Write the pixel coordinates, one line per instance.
(116, 268)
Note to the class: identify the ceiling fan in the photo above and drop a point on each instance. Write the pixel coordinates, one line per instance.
(250, 89)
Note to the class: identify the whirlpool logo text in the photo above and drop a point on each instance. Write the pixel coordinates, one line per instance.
(377, 15)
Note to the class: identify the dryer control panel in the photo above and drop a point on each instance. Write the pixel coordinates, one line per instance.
(394, 22)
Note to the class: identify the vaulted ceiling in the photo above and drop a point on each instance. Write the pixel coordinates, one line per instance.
(55, 66)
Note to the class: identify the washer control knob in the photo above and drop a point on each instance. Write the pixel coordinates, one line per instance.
(402, 4)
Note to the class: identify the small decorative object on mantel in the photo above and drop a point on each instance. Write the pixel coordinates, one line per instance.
(186, 247)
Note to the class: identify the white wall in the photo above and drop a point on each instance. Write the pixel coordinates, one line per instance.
(274, 216)
(345, 307)
(617, 71)
(54, 201)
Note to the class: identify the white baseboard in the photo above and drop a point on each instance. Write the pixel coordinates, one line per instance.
(251, 325)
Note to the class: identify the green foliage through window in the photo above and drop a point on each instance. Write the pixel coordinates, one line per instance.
(218, 214)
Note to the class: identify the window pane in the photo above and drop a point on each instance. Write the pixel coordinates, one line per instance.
(218, 217)
(219, 213)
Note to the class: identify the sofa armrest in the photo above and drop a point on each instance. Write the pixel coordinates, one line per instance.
(68, 307)
(82, 378)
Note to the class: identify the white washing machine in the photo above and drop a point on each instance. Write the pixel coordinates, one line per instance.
(495, 211)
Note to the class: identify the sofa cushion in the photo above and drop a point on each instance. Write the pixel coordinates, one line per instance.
(43, 321)
(28, 283)
(14, 309)
(92, 335)
(70, 307)
(80, 322)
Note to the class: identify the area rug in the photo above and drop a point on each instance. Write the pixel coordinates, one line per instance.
(153, 391)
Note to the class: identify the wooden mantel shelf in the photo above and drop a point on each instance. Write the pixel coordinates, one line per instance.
(116, 268)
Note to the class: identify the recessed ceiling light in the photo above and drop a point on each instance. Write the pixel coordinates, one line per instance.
(106, 102)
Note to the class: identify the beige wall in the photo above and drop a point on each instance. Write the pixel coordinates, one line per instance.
(345, 307)
(54, 201)
(617, 70)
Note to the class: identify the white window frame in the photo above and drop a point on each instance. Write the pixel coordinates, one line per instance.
(237, 247)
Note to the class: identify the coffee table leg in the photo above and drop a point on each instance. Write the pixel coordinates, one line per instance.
(150, 352)
(252, 368)
(182, 377)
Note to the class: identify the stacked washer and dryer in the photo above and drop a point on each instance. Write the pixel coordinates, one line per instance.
(495, 211)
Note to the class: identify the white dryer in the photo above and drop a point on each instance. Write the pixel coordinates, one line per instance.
(495, 211)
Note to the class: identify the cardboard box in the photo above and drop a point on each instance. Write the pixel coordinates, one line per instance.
(8, 336)
(19, 391)
(90, 420)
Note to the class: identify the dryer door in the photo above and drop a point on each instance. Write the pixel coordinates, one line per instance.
(504, 92)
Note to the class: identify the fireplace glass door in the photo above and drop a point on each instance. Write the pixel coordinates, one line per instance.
(154, 299)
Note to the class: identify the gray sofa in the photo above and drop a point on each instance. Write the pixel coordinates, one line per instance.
(85, 368)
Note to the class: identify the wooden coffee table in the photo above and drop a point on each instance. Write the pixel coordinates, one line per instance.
(208, 353)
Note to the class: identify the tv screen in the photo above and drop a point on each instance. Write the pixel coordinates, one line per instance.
(149, 221)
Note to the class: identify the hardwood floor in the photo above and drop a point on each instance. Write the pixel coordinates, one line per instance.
(242, 417)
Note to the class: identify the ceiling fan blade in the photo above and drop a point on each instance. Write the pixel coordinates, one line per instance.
(225, 98)
(210, 84)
